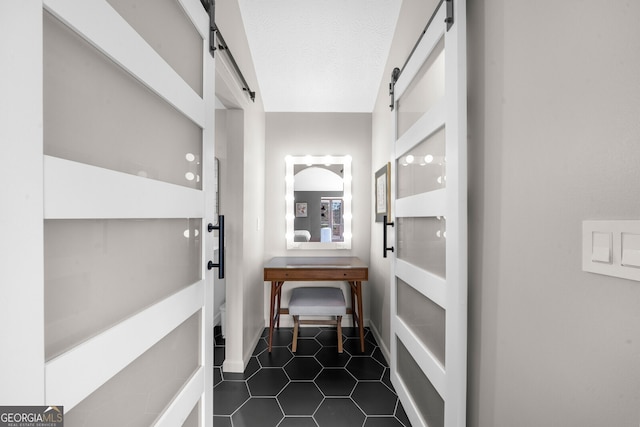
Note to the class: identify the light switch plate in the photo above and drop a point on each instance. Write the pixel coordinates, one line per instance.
(631, 250)
(612, 248)
(601, 247)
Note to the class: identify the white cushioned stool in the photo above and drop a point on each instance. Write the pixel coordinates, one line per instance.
(317, 301)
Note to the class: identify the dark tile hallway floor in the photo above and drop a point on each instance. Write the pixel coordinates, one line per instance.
(318, 387)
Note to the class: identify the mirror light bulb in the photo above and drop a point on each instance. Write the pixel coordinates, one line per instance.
(428, 158)
(410, 158)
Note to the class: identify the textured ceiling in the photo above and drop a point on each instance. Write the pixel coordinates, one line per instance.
(319, 55)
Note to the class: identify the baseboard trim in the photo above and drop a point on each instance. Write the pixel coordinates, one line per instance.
(383, 348)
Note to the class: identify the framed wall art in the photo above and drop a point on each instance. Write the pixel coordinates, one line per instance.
(301, 210)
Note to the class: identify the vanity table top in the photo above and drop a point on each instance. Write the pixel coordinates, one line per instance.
(319, 268)
(315, 262)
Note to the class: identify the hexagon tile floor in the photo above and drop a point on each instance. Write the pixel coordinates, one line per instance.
(318, 387)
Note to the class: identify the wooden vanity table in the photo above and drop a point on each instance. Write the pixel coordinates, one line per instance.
(313, 269)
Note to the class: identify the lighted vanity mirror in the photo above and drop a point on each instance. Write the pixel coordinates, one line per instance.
(318, 202)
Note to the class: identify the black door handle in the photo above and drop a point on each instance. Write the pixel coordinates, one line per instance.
(384, 236)
(220, 263)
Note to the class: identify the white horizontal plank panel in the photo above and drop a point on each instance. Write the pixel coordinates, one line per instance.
(77, 190)
(76, 374)
(198, 16)
(98, 23)
(428, 363)
(429, 41)
(432, 203)
(428, 284)
(183, 403)
(426, 125)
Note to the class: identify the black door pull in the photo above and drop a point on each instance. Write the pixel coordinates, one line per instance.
(220, 264)
(384, 236)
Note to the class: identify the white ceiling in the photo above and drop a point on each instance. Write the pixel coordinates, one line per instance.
(319, 55)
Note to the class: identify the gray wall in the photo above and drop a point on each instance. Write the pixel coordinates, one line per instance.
(554, 139)
(299, 134)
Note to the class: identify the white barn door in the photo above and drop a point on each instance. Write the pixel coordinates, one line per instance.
(429, 280)
(126, 157)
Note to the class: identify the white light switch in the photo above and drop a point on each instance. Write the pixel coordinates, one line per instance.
(612, 248)
(601, 247)
(631, 250)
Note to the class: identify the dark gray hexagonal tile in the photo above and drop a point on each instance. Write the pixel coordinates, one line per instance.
(219, 341)
(229, 396)
(278, 357)
(267, 382)
(217, 335)
(368, 336)
(351, 332)
(365, 368)
(260, 346)
(307, 347)
(352, 345)
(308, 331)
(374, 398)
(258, 411)
(252, 368)
(386, 379)
(220, 421)
(281, 337)
(303, 368)
(330, 358)
(298, 422)
(382, 422)
(377, 354)
(335, 382)
(402, 415)
(328, 337)
(218, 356)
(217, 376)
(339, 412)
(300, 398)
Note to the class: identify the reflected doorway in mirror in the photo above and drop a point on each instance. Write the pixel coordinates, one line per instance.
(323, 185)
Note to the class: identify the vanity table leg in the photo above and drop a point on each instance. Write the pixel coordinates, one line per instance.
(279, 298)
(356, 309)
(275, 291)
(360, 318)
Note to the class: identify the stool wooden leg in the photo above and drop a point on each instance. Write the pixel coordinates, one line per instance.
(339, 326)
(294, 343)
